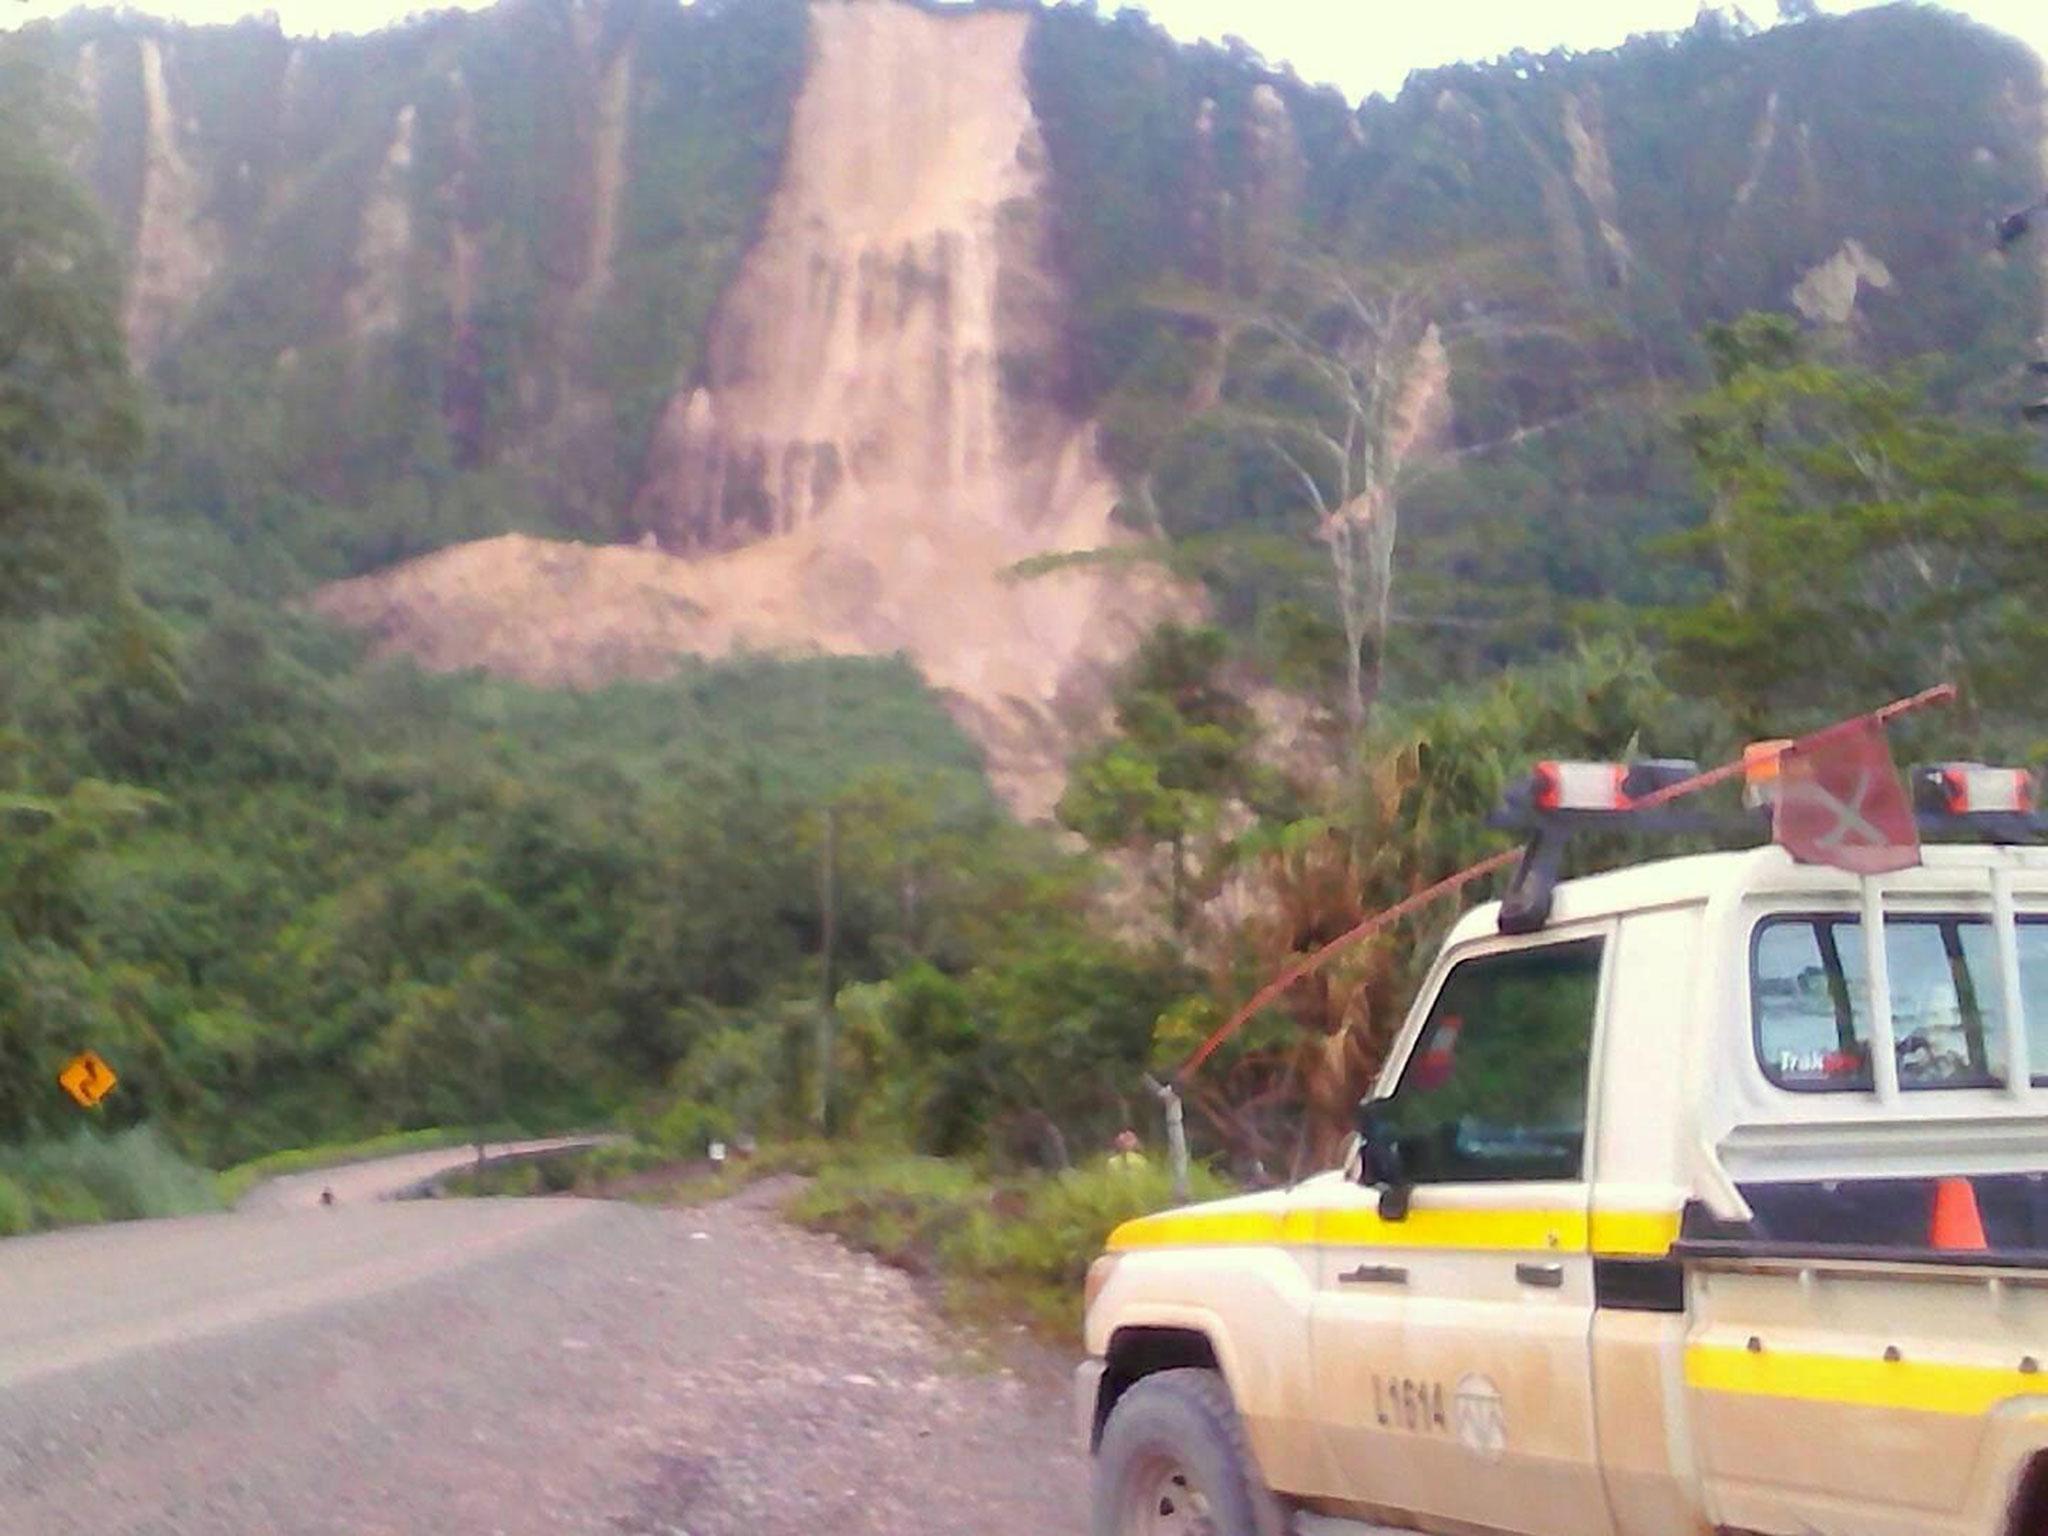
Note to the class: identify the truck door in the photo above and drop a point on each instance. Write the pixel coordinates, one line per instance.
(1452, 1351)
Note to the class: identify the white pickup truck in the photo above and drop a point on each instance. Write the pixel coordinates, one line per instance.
(1663, 1218)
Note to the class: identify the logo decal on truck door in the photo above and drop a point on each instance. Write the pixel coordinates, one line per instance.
(1478, 1417)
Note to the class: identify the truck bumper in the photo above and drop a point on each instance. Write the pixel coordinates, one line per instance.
(1087, 1390)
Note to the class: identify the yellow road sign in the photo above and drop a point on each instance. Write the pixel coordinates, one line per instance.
(87, 1079)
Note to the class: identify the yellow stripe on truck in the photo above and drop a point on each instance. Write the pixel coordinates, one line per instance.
(1608, 1232)
(1917, 1386)
(1634, 1234)
(1224, 1229)
(1534, 1231)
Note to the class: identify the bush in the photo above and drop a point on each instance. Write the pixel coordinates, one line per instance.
(89, 1177)
(619, 1160)
(1014, 1246)
(687, 1128)
(58, 1204)
(17, 1211)
(523, 1179)
(904, 1209)
(1045, 1231)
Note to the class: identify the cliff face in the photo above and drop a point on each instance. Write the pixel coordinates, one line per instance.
(884, 333)
(526, 225)
(870, 449)
(176, 247)
(595, 331)
(479, 242)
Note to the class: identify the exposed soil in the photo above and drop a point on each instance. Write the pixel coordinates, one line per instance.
(867, 458)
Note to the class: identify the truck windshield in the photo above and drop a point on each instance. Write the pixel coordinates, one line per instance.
(1810, 1001)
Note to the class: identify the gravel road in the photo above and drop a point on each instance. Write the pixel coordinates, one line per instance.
(381, 1178)
(504, 1367)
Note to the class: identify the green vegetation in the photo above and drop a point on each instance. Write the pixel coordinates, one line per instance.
(1847, 516)
(1015, 1246)
(296, 900)
(310, 444)
(88, 1177)
(1571, 312)
(1447, 400)
(67, 408)
(345, 901)
(1184, 750)
(298, 442)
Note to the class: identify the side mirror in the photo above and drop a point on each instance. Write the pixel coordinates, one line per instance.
(1380, 1161)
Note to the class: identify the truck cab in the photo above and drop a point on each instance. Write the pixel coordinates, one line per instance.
(1718, 1200)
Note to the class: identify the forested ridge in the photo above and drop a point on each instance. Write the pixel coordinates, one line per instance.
(1501, 419)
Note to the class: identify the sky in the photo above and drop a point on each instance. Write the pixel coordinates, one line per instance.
(1361, 46)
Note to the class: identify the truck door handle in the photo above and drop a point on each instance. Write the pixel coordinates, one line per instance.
(1374, 1274)
(1549, 1276)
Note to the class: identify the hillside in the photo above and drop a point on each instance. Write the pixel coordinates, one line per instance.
(853, 473)
(636, 353)
(835, 313)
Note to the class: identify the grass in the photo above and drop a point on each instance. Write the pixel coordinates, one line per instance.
(637, 1171)
(235, 1182)
(668, 1181)
(1001, 1249)
(88, 1178)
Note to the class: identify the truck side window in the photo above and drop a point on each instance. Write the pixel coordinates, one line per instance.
(1811, 1001)
(1980, 955)
(1496, 1086)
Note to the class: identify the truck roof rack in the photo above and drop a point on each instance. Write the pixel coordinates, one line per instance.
(1558, 800)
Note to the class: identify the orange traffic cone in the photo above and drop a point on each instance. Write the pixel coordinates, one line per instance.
(1956, 1226)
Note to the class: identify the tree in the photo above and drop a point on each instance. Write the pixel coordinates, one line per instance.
(68, 418)
(1860, 544)
(1336, 375)
(446, 1054)
(1278, 431)
(1412, 810)
(54, 986)
(1182, 753)
(1062, 1036)
(1368, 360)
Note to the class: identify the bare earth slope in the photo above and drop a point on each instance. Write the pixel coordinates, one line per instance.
(870, 453)
(527, 1368)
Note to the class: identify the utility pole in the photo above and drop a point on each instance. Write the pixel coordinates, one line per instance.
(828, 992)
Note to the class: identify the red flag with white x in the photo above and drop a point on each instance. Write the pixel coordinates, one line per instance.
(1840, 801)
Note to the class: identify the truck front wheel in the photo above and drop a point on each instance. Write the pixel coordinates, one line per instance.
(1173, 1462)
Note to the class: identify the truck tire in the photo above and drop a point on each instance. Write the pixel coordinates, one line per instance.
(1174, 1462)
